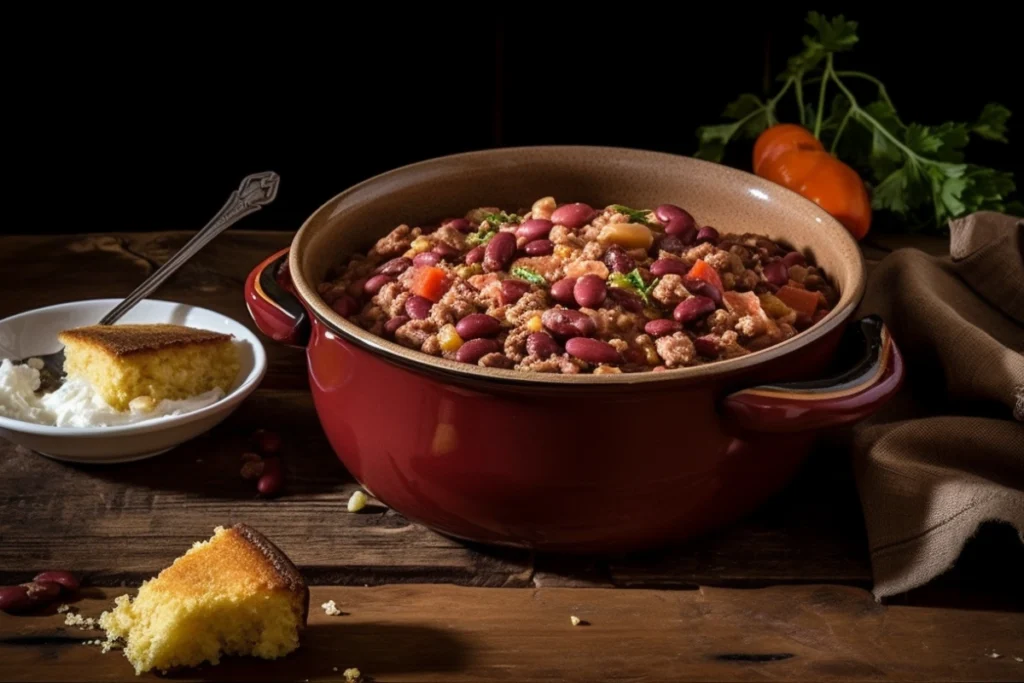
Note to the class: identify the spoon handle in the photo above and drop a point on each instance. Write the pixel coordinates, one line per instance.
(255, 192)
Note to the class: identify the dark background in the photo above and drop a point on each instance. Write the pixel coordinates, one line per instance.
(125, 122)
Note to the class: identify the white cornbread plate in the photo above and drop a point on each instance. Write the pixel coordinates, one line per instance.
(35, 332)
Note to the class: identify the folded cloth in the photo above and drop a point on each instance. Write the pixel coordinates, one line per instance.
(947, 453)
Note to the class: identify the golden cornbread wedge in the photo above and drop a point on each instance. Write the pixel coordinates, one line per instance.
(235, 594)
(124, 362)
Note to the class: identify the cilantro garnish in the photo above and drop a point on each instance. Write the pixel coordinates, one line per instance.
(634, 283)
(917, 172)
(529, 275)
(635, 215)
(500, 218)
(481, 236)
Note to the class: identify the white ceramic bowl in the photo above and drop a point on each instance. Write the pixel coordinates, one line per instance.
(35, 333)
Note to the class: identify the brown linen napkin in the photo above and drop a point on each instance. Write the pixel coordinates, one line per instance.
(947, 453)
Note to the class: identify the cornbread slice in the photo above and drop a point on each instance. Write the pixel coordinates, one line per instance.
(236, 594)
(124, 362)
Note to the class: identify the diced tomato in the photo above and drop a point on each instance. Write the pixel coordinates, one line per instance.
(798, 285)
(800, 300)
(702, 271)
(430, 283)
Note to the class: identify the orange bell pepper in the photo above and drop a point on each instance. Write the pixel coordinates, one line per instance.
(430, 283)
(800, 300)
(702, 271)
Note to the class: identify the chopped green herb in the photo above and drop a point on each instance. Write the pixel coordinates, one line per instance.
(481, 236)
(501, 218)
(529, 275)
(633, 282)
(635, 215)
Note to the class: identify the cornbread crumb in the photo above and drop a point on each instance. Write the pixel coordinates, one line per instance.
(142, 404)
(61, 609)
(35, 363)
(334, 668)
(352, 675)
(331, 609)
(1018, 659)
(84, 623)
(575, 620)
(357, 501)
(994, 655)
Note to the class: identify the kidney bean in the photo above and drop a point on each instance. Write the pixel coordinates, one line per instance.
(661, 327)
(14, 598)
(67, 580)
(391, 326)
(460, 224)
(589, 291)
(418, 307)
(266, 441)
(768, 246)
(667, 213)
(670, 243)
(345, 306)
(426, 258)
(794, 258)
(512, 291)
(541, 345)
(572, 215)
(272, 481)
(593, 351)
(626, 299)
(776, 273)
(686, 233)
(477, 325)
(707, 234)
(499, 252)
(534, 229)
(693, 308)
(568, 323)
(562, 291)
(818, 315)
(474, 255)
(395, 266)
(475, 349)
(374, 284)
(706, 346)
(42, 591)
(668, 266)
(355, 289)
(694, 285)
(617, 260)
(447, 252)
(539, 247)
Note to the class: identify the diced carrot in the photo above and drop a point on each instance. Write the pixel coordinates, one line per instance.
(430, 283)
(800, 300)
(702, 271)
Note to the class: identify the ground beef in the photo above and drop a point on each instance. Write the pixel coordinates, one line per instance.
(392, 298)
(415, 333)
(676, 350)
(530, 304)
(496, 360)
(396, 242)
(670, 290)
(515, 343)
(565, 236)
(559, 363)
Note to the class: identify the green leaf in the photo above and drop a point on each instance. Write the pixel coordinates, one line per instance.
(954, 137)
(991, 125)
(713, 140)
(834, 35)
(498, 219)
(481, 236)
(921, 139)
(634, 282)
(529, 275)
(635, 215)
(891, 193)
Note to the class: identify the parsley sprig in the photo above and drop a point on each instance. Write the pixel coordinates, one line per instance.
(500, 218)
(635, 215)
(917, 172)
(634, 283)
(529, 275)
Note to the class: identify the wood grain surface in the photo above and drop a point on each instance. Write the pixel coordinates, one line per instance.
(453, 634)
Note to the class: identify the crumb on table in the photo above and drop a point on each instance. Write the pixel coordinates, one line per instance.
(576, 621)
(331, 609)
(352, 675)
(357, 501)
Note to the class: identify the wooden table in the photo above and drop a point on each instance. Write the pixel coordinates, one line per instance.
(782, 594)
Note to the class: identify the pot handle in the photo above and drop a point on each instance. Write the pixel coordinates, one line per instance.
(270, 298)
(840, 400)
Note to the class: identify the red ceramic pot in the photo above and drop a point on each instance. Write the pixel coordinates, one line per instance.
(571, 463)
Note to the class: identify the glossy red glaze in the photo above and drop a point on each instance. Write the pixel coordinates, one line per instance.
(550, 468)
(271, 317)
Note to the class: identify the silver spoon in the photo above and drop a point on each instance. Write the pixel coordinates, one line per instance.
(255, 192)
